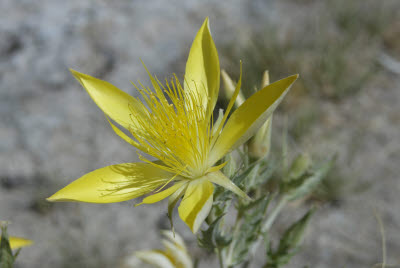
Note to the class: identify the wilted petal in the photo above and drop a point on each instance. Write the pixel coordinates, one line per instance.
(111, 100)
(176, 238)
(177, 253)
(196, 203)
(249, 117)
(114, 183)
(202, 73)
(18, 242)
(155, 257)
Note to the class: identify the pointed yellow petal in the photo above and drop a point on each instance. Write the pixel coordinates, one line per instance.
(123, 136)
(111, 100)
(18, 242)
(114, 183)
(155, 257)
(249, 117)
(162, 195)
(202, 68)
(220, 179)
(217, 122)
(230, 106)
(196, 203)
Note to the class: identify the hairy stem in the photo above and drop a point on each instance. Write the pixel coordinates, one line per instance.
(220, 258)
(268, 223)
(275, 212)
(236, 229)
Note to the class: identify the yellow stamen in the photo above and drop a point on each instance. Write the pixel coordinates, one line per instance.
(177, 132)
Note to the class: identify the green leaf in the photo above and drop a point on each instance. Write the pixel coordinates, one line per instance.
(260, 174)
(6, 257)
(212, 237)
(294, 235)
(251, 180)
(250, 229)
(230, 168)
(304, 185)
(289, 244)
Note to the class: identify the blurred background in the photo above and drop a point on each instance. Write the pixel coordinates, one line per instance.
(346, 102)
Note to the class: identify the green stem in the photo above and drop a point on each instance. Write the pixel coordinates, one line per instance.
(268, 223)
(220, 258)
(270, 220)
(236, 229)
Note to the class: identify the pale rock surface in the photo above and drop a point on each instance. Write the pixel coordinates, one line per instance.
(51, 132)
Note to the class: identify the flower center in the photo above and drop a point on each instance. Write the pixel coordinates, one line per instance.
(178, 132)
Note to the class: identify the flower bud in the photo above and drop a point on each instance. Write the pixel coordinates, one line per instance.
(229, 89)
(299, 166)
(260, 143)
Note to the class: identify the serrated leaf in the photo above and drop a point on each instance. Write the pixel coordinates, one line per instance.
(222, 241)
(307, 183)
(212, 237)
(231, 167)
(289, 244)
(251, 180)
(262, 175)
(294, 235)
(250, 229)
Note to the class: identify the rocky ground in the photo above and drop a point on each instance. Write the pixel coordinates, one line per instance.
(51, 132)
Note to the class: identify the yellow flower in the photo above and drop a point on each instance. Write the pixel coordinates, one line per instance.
(174, 124)
(175, 254)
(18, 242)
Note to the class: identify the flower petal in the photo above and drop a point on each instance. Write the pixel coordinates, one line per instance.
(220, 179)
(202, 72)
(196, 203)
(162, 195)
(114, 183)
(246, 120)
(18, 242)
(123, 136)
(111, 100)
(155, 257)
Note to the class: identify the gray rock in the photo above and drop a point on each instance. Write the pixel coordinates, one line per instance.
(51, 132)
